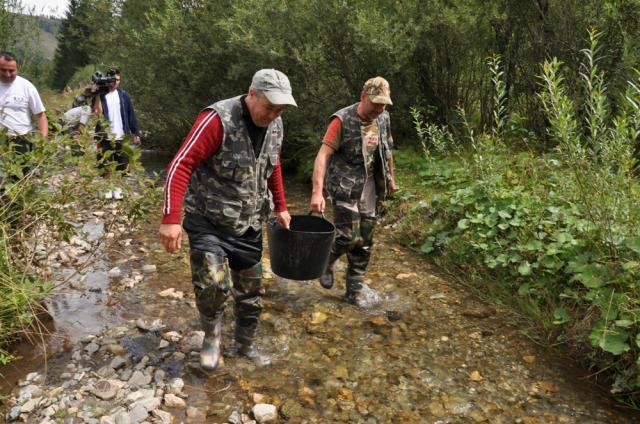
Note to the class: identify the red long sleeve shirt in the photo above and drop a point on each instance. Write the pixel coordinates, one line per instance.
(203, 140)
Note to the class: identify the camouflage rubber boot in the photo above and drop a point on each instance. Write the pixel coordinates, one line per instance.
(212, 284)
(345, 221)
(247, 292)
(210, 352)
(358, 257)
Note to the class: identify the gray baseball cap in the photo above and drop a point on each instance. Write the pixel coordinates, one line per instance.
(275, 86)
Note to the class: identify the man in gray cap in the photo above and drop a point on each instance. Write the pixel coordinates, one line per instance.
(354, 165)
(229, 168)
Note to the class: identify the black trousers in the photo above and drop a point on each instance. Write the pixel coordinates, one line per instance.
(111, 151)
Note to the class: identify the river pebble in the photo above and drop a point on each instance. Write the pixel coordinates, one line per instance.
(149, 268)
(264, 413)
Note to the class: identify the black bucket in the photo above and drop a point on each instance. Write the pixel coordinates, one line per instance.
(302, 251)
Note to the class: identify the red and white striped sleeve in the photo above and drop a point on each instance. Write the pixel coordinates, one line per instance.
(203, 140)
(277, 188)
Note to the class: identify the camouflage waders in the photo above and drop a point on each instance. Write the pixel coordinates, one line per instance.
(247, 293)
(213, 282)
(345, 181)
(354, 236)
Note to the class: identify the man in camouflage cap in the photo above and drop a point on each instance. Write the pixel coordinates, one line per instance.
(355, 167)
(229, 167)
(84, 98)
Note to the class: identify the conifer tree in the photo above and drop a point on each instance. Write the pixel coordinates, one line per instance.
(72, 50)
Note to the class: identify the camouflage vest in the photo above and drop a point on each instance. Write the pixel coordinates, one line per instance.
(347, 173)
(230, 187)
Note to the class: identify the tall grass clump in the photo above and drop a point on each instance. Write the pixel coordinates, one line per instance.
(554, 233)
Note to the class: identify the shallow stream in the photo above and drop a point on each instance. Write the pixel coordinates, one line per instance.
(429, 352)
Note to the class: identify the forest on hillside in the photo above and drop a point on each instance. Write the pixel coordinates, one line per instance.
(33, 38)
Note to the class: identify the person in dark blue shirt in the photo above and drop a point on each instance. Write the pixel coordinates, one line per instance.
(116, 107)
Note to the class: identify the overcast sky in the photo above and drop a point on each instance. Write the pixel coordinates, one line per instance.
(47, 7)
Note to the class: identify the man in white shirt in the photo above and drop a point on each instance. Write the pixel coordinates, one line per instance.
(19, 99)
(77, 118)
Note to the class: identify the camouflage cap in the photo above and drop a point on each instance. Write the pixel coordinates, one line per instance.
(378, 90)
(275, 86)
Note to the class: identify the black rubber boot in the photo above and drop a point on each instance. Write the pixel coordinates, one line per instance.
(326, 279)
(353, 288)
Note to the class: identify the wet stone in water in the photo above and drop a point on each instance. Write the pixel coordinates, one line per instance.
(393, 315)
(290, 408)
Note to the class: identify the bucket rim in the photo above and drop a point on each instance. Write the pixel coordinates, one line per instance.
(272, 223)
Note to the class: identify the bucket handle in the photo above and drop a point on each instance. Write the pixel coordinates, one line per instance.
(319, 213)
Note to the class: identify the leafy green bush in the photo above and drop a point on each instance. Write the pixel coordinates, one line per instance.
(558, 230)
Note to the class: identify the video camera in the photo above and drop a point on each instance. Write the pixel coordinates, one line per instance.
(103, 82)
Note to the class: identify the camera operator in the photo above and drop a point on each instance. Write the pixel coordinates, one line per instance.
(116, 107)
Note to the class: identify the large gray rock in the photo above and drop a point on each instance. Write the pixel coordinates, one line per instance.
(14, 413)
(34, 377)
(149, 268)
(193, 342)
(158, 377)
(162, 417)
(138, 414)
(123, 417)
(140, 394)
(155, 325)
(106, 371)
(92, 348)
(149, 404)
(118, 362)
(30, 405)
(29, 392)
(234, 418)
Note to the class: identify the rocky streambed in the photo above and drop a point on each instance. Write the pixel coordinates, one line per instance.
(428, 352)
